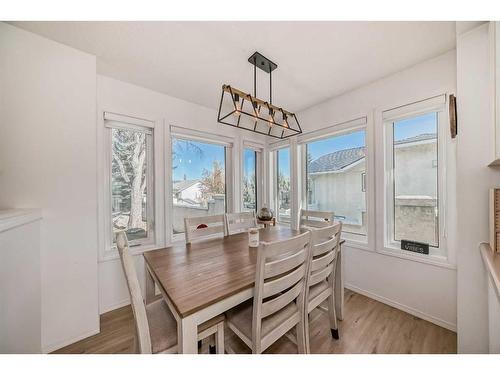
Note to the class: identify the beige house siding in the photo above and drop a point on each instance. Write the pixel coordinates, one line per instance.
(416, 196)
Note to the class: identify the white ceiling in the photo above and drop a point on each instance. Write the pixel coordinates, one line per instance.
(191, 60)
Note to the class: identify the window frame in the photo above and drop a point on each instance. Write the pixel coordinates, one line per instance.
(259, 172)
(364, 242)
(436, 105)
(275, 184)
(272, 177)
(203, 137)
(109, 121)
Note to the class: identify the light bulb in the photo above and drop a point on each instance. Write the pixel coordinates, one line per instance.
(285, 120)
(237, 105)
(270, 120)
(256, 110)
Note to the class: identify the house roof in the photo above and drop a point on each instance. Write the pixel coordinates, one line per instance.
(417, 138)
(183, 185)
(344, 158)
(336, 160)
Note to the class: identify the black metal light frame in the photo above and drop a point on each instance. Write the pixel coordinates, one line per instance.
(287, 127)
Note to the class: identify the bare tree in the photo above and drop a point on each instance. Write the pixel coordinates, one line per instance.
(284, 190)
(213, 182)
(129, 171)
(249, 191)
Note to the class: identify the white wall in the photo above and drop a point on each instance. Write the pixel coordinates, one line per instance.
(20, 279)
(475, 130)
(48, 160)
(493, 318)
(128, 99)
(425, 290)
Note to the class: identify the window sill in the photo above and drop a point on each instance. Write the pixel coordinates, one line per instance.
(361, 245)
(434, 260)
(112, 254)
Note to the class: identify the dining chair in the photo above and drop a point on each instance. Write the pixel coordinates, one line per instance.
(240, 222)
(279, 295)
(203, 227)
(315, 219)
(325, 246)
(155, 326)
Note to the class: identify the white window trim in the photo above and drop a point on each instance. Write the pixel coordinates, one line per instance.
(106, 120)
(386, 245)
(363, 122)
(259, 172)
(273, 175)
(178, 132)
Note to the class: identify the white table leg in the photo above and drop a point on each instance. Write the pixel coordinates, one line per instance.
(150, 285)
(187, 333)
(339, 287)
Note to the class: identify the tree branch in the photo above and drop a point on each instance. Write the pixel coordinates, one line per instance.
(121, 167)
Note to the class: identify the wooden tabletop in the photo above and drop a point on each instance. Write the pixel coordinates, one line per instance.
(200, 274)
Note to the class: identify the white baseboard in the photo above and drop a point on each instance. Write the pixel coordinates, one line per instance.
(52, 347)
(114, 306)
(405, 308)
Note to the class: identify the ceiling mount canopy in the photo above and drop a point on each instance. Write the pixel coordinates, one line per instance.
(242, 110)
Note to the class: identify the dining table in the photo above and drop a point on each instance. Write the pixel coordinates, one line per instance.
(201, 280)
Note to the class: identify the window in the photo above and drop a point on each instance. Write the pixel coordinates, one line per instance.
(198, 181)
(335, 178)
(283, 189)
(249, 180)
(130, 180)
(414, 208)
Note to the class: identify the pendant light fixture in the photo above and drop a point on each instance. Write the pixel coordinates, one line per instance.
(244, 111)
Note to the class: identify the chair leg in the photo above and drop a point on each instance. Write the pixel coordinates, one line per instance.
(219, 337)
(334, 329)
(301, 338)
(306, 334)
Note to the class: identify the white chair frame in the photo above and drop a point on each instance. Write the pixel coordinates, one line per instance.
(281, 273)
(143, 336)
(240, 222)
(309, 219)
(325, 247)
(215, 224)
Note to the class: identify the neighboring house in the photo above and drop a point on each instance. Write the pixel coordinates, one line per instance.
(187, 192)
(187, 202)
(337, 183)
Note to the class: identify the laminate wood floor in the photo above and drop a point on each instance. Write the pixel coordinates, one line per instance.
(369, 327)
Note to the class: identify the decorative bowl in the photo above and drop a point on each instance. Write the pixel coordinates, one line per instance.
(265, 214)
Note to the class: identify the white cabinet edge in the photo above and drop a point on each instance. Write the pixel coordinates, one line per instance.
(492, 263)
(13, 218)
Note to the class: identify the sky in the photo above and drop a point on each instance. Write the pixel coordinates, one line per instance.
(284, 161)
(249, 162)
(416, 125)
(191, 157)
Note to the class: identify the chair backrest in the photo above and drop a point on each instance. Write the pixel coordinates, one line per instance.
(315, 219)
(199, 228)
(240, 222)
(325, 245)
(134, 289)
(281, 272)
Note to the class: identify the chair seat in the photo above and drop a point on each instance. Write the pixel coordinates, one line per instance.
(163, 326)
(240, 318)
